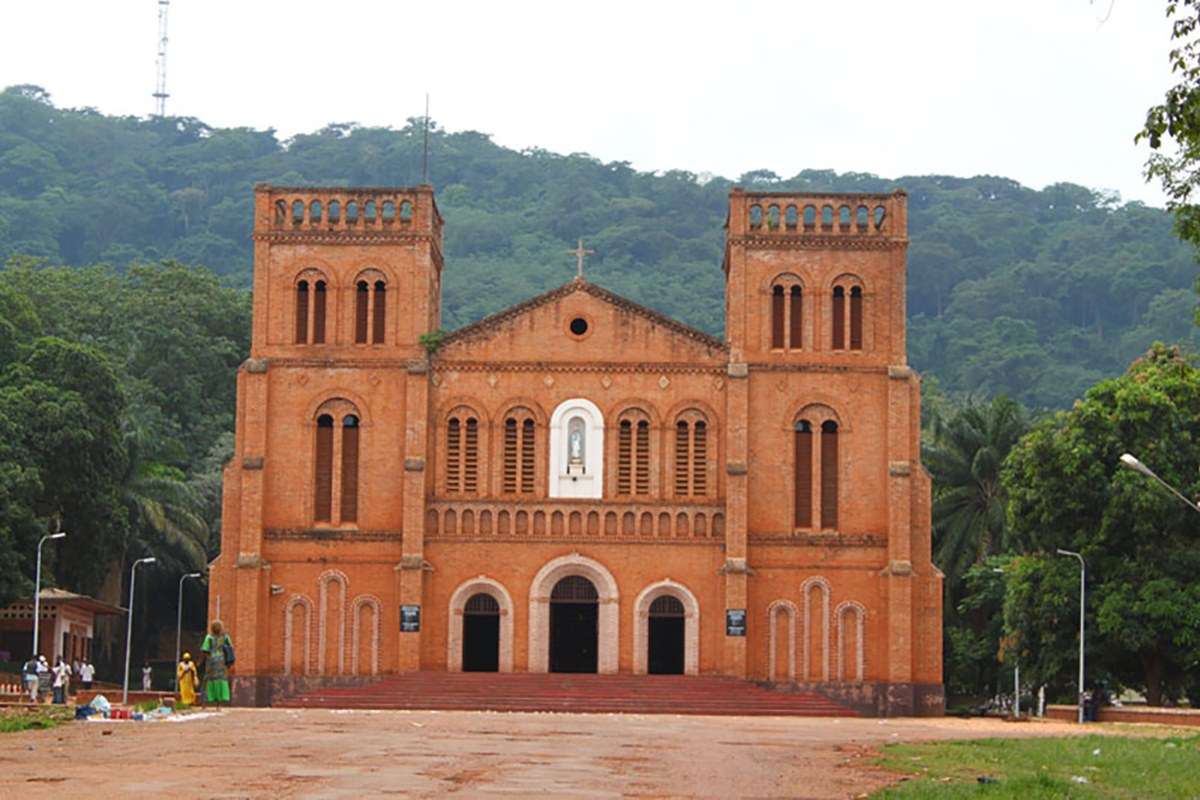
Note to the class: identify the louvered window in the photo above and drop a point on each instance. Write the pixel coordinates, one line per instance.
(624, 457)
(796, 319)
(839, 318)
(681, 458)
(453, 455)
(379, 318)
(362, 302)
(700, 458)
(777, 322)
(510, 455)
(804, 475)
(691, 456)
(350, 469)
(302, 312)
(318, 332)
(528, 454)
(471, 457)
(829, 474)
(323, 481)
(856, 318)
(642, 460)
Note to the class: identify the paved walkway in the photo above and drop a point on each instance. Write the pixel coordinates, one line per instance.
(302, 753)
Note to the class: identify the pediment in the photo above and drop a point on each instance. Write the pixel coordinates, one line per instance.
(581, 321)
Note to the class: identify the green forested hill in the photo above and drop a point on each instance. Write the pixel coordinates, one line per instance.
(1034, 293)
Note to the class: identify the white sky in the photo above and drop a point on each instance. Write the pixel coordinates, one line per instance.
(1037, 90)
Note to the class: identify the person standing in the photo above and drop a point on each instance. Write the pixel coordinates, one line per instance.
(43, 673)
(147, 677)
(217, 649)
(61, 679)
(186, 673)
(30, 674)
(75, 673)
(86, 673)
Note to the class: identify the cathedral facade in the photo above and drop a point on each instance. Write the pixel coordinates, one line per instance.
(579, 483)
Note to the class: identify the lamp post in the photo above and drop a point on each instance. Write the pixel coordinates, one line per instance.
(1016, 672)
(179, 624)
(1129, 461)
(1082, 573)
(129, 626)
(37, 587)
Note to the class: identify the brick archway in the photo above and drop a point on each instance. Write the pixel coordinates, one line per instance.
(691, 629)
(539, 610)
(458, 602)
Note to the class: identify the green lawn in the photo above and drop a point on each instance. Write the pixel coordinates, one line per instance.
(1031, 769)
(23, 719)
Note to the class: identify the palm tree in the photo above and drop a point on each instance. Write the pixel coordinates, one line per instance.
(966, 453)
(165, 512)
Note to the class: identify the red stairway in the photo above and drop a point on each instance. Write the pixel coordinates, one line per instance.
(587, 694)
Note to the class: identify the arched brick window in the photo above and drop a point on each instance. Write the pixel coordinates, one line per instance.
(691, 454)
(311, 296)
(462, 453)
(787, 313)
(804, 474)
(633, 453)
(829, 474)
(336, 459)
(520, 453)
(323, 483)
(847, 317)
(370, 309)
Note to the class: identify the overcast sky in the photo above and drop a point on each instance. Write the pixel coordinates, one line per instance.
(1037, 90)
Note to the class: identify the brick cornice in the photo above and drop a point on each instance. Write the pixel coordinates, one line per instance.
(820, 539)
(816, 242)
(441, 367)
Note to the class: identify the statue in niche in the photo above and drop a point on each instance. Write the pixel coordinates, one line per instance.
(576, 444)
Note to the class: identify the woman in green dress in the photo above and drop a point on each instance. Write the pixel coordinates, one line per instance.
(216, 680)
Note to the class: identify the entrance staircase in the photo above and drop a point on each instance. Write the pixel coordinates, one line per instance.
(580, 694)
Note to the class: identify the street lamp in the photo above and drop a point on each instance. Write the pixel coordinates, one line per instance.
(1129, 461)
(179, 624)
(129, 625)
(37, 588)
(1082, 572)
(1016, 674)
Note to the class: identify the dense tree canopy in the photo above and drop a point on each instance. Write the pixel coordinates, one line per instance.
(1034, 294)
(1066, 490)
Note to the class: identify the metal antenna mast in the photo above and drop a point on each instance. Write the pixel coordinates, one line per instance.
(160, 87)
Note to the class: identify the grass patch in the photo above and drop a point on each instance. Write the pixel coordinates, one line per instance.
(1033, 769)
(26, 719)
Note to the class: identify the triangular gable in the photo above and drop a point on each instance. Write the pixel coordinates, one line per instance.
(490, 323)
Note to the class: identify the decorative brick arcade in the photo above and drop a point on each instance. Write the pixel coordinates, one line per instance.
(578, 482)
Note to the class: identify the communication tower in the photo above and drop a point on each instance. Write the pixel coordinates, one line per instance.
(160, 87)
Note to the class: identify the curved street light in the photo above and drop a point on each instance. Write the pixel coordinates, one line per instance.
(1130, 462)
(179, 623)
(129, 625)
(37, 588)
(1082, 573)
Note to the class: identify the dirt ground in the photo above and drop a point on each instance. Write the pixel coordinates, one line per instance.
(252, 753)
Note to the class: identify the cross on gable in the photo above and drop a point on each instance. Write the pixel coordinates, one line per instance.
(579, 253)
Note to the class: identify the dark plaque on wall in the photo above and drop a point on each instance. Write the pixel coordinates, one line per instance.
(735, 622)
(410, 619)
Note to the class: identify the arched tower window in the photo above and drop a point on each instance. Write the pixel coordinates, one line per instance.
(520, 454)
(804, 474)
(691, 455)
(310, 309)
(633, 453)
(370, 310)
(336, 460)
(787, 313)
(847, 318)
(462, 453)
(829, 474)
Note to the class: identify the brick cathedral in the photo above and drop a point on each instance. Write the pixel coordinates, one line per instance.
(579, 483)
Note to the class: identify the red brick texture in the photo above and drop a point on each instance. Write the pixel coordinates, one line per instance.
(853, 603)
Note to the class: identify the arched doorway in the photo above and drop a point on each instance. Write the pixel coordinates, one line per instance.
(481, 634)
(574, 630)
(665, 656)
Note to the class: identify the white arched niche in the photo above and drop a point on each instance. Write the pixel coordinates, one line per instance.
(577, 450)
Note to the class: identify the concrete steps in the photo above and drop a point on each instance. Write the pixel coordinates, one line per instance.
(588, 694)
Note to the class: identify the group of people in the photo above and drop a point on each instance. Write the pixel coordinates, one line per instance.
(41, 679)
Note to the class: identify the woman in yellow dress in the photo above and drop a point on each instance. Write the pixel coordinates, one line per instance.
(186, 672)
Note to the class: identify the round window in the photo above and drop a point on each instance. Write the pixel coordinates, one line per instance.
(579, 326)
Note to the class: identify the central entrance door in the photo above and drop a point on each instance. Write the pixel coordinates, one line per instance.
(481, 634)
(666, 636)
(574, 634)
